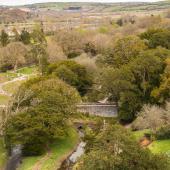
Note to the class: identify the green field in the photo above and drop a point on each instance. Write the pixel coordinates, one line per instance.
(160, 146)
(58, 151)
(28, 70)
(3, 154)
(9, 75)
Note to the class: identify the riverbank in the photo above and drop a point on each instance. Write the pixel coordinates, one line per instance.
(59, 151)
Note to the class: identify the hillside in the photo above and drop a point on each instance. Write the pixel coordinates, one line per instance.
(8, 15)
(105, 7)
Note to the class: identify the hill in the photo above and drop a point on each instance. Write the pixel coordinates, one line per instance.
(11, 15)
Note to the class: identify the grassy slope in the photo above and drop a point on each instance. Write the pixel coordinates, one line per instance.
(2, 154)
(141, 133)
(59, 150)
(12, 87)
(28, 70)
(160, 146)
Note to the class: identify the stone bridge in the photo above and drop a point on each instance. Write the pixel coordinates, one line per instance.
(98, 109)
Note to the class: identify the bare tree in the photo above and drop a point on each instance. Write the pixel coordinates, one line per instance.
(152, 117)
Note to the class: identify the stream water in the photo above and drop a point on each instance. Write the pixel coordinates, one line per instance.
(73, 158)
(79, 151)
(15, 158)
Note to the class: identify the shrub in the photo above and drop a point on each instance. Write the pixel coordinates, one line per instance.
(163, 133)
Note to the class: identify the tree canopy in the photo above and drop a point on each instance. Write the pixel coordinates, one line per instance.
(73, 74)
(39, 114)
(115, 149)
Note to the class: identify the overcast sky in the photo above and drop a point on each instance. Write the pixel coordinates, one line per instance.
(21, 2)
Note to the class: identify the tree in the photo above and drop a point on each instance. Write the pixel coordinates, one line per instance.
(131, 85)
(162, 93)
(38, 51)
(47, 92)
(157, 37)
(4, 38)
(115, 149)
(25, 37)
(97, 41)
(149, 33)
(116, 81)
(123, 51)
(120, 22)
(16, 35)
(71, 41)
(13, 56)
(160, 39)
(34, 130)
(73, 74)
(151, 116)
(54, 51)
(42, 116)
(38, 36)
(129, 104)
(146, 70)
(39, 55)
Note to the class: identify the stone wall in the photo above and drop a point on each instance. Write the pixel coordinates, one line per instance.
(104, 110)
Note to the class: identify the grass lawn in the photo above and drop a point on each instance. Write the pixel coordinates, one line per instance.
(3, 154)
(59, 150)
(4, 99)
(139, 134)
(9, 75)
(28, 70)
(160, 146)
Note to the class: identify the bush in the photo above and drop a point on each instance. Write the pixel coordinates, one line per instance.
(6, 67)
(163, 133)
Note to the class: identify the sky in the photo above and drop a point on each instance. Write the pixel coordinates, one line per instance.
(22, 2)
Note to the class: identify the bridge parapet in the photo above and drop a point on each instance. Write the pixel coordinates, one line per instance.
(98, 109)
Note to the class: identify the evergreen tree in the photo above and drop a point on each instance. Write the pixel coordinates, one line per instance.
(25, 37)
(4, 38)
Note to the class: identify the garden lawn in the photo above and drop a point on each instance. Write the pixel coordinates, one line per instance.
(58, 152)
(9, 75)
(28, 70)
(140, 134)
(160, 146)
(3, 154)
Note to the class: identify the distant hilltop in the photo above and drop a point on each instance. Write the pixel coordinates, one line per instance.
(110, 7)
